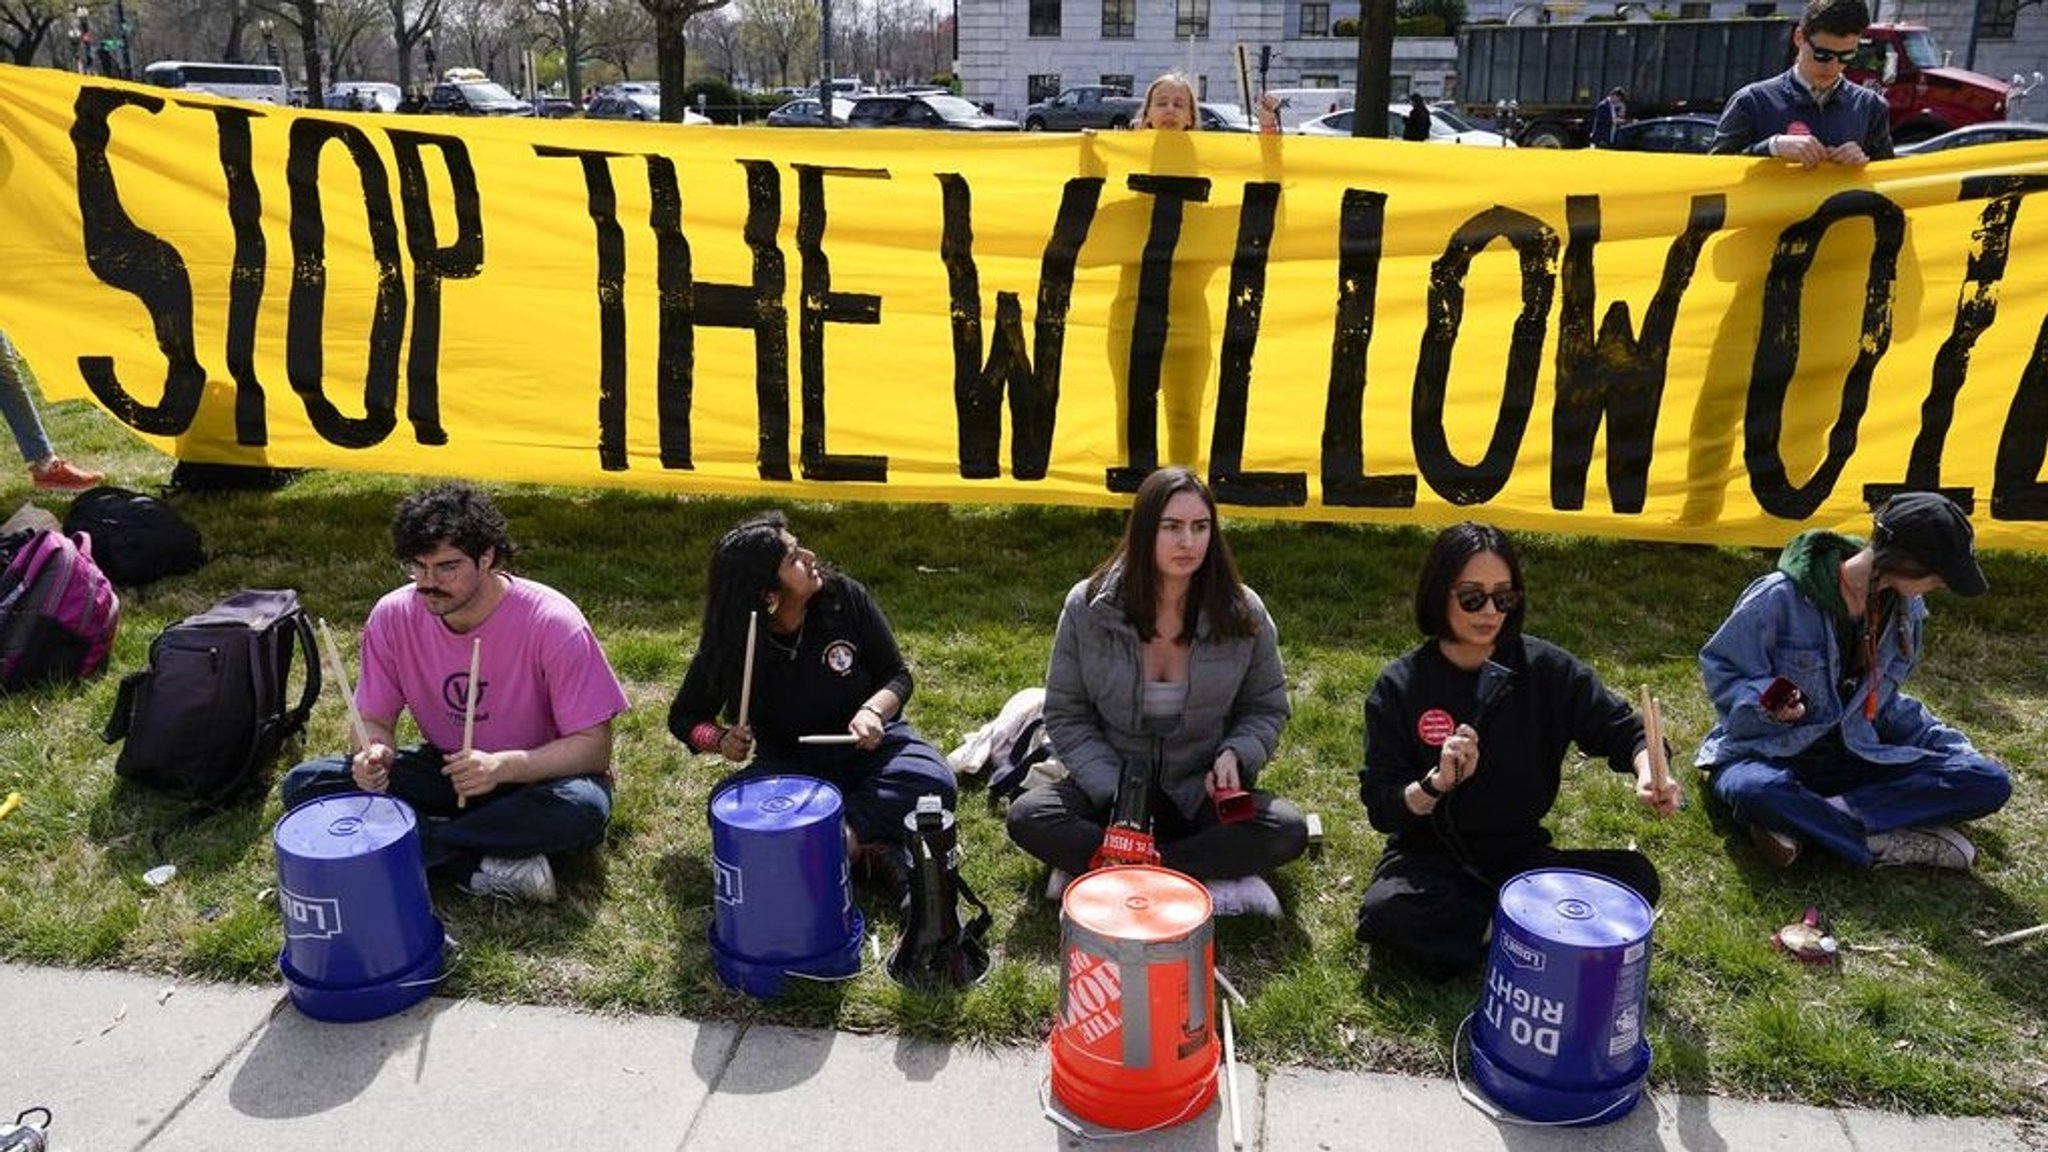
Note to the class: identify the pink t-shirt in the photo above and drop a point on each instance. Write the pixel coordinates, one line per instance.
(542, 673)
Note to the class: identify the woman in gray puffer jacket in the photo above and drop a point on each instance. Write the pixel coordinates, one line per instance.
(1163, 657)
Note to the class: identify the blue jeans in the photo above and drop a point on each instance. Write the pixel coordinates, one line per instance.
(515, 820)
(19, 410)
(1793, 798)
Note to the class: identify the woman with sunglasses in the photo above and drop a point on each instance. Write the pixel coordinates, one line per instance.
(1465, 739)
(1163, 659)
(825, 666)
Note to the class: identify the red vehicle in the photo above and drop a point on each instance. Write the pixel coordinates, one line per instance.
(1542, 80)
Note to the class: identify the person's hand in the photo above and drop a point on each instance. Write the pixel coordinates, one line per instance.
(866, 727)
(371, 768)
(1850, 153)
(736, 743)
(1805, 151)
(1663, 801)
(1458, 759)
(473, 773)
(1268, 113)
(1223, 773)
(1792, 711)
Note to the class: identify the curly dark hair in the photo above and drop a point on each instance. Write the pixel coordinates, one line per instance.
(457, 513)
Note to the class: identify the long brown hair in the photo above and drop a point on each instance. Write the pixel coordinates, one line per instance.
(1215, 587)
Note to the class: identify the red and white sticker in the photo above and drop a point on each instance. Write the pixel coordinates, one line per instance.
(1435, 726)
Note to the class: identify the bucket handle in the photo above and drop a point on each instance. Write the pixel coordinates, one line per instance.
(451, 955)
(1053, 1113)
(1498, 1115)
(874, 951)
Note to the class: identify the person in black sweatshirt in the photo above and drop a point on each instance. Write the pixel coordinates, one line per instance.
(825, 664)
(1465, 739)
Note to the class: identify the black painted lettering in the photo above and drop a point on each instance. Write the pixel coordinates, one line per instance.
(305, 331)
(433, 262)
(1032, 381)
(758, 307)
(821, 306)
(1361, 229)
(675, 369)
(245, 283)
(137, 262)
(1149, 324)
(1233, 484)
(1617, 378)
(601, 202)
(1535, 245)
(1777, 352)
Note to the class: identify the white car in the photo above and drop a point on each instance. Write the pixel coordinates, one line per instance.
(1441, 130)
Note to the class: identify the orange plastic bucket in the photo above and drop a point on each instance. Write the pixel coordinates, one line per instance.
(1135, 1043)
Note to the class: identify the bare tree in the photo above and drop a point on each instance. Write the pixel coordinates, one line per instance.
(619, 33)
(782, 31)
(671, 51)
(24, 25)
(718, 37)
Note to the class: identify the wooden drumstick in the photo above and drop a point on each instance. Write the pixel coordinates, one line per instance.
(337, 670)
(476, 655)
(747, 669)
(1653, 738)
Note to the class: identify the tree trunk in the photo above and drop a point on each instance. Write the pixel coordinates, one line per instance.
(670, 55)
(309, 41)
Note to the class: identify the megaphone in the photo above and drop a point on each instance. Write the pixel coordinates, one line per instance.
(936, 950)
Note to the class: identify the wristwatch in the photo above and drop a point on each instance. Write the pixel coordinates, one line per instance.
(1428, 789)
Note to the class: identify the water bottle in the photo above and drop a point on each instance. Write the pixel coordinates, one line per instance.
(27, 1134)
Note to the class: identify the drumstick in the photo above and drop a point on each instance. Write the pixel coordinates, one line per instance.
(338, 669)
(2022, 934)
(828, 738)
(1653, 736)
(747, 669)
(1230, 1077)
(476, 655)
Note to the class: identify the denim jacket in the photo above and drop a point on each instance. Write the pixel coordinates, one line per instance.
(1094, 699)
(1775, 630)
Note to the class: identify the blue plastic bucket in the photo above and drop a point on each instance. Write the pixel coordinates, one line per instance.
(360, 937)
(782, 904)
(1558, 1035)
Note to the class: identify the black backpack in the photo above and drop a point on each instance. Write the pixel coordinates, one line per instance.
(136, 538)
(209, 711)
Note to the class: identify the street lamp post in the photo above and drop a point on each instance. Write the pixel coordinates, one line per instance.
(84, 36)
(268, 28)
(433, 72)
(121, 25)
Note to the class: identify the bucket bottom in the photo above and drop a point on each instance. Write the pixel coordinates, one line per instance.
(1573, 1105)
(764, 978)
(1132, 1100)
(372, 1001)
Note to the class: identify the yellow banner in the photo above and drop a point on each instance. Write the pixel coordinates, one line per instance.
(1662, 347)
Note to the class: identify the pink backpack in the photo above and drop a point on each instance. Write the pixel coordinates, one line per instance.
(58, 611)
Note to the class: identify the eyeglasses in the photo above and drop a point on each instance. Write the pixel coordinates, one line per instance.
(445, 570)
(1473, 598)
(1829, 55)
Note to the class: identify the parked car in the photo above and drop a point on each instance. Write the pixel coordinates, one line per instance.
(1992, 132)
(476, 98)
(555, 107)
(1300, 105)
(363, 96)
(924, 111)
(1441, 131)
(1688, 132)
(808, 113)
(1225, 118)
(615, 104)
(1084, 106)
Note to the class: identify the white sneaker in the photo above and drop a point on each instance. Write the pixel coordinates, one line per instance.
(514, 878)
(1243, 896)
(1932, 846)
(1056, 885)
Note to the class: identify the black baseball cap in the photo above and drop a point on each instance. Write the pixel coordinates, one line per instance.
(1929, 527)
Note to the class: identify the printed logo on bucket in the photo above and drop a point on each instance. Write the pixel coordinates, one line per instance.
(1521, 954)
(726, 883)
(309, 917)
(1094, 997)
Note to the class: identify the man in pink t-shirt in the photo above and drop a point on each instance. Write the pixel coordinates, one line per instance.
(535, 775)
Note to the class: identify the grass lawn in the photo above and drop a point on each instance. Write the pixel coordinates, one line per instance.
(1920, 1017)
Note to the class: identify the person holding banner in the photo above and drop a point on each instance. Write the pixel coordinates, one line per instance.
(1169, 104)
(1814, 740)
(1165, 657)
(1465, 738)
(798, 657)
(1809, 113)
(515, 762)
(47, 471)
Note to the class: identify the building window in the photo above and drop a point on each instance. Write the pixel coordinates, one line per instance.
(1190, 18)
(1695, 10)
(1121, 82)
(1759, 10)
(1315, 19)
(1318, 79)
(1043, 86)
(1119, 19)
(1045, 17)
(1997, 19)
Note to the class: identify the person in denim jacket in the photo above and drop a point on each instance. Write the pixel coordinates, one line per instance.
(1811, 746)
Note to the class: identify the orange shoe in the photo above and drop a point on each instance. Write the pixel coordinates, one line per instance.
(60, 475)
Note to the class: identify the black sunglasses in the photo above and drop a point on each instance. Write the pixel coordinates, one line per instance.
(1473, 598)
(1829, 55)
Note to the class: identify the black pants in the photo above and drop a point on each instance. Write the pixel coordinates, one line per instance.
(1428, 908)
(1060, 825)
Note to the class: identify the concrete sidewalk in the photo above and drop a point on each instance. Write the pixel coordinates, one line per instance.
(130, 1063)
